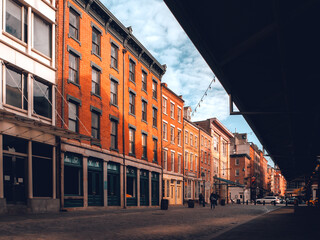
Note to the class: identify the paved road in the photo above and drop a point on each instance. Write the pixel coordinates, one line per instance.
(175, 223)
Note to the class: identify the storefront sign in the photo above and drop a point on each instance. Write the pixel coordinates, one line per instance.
(94, 163)
(72, 159)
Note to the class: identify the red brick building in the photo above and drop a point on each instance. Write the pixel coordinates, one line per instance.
(205, 163)
(172, 145)
(110, 88)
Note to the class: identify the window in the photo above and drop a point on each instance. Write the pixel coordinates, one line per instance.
(172, 134)
(132, 71)
(114, 93)
(95, 125)
(191, 162)
(164, 105)
(132, 100)
(73, 116)
(42, 98)
(196, 162)
(172, 161)
(237, 161)
(215, 143)
(114, 56)
(191, 139)
(171, 110)
(237, 172)
(144, 81)
(144, 145)
(114, 134)
(132, 141)
(209, 159)
(179, 137)
(196, 141)
(154, 117)
(17, 20)
(42, 36)
(224, 148)
(155, 150)
(165, 160)
(201, 156)
(74, 24)
(179, 114)
(202, 140)
(73, 68)
(96, 41)
(95, 81)
(205, 157)
(186, 137)
(144, 110)
(16, 89)
(165, 131)
(179, 163)
(186, 160)
(154, 89)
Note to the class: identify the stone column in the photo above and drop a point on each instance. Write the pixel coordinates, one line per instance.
(62, 180)
(105, 183)
(1, 75)
(1, 168)
(85, 181)
(30, 188)
(54, 172)
(123, 190)
(138, 187)
(150, 189)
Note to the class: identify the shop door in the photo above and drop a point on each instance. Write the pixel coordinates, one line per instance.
(179, 194)
(14, 176)
(155, 189)
(113, 189)
(144, 191)
(172, 194)
(95, 196)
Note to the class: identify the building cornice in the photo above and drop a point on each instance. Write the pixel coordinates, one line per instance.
(123, 34)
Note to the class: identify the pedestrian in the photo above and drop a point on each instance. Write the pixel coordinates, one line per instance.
(213, 199)
(200, 199)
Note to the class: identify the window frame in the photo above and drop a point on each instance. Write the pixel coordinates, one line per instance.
(114, 135)
(132, 142)
(114, 95)
(93, 112)
(132, 71)
(77, 16)
(144, 81)
(155, 150)
(95, 84)
(154, 117)
(132, 103)
(77, 63)
(144, 106)
(76, 115)
(154, 89)
(50, 36)
(97, 44)
(165, 131)
(115, 57)
(144, 143)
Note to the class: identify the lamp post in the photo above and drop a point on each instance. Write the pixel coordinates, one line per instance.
(203, 175)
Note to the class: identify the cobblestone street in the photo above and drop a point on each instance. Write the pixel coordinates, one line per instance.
(175, 223)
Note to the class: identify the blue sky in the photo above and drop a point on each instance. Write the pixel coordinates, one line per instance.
(187, 73)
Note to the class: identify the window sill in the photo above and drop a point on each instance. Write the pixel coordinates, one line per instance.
(155, 127)
(132, 82)
(144, 90)
(165, 114)
(144, 158)
(111, 104)
(96, 142)
(92, 53)
(156, 99)
(144, 121)
(132, 154)
(14, 38)
(42, 54)
(74, 83)
(165, 140)
(114, 149)
(132, 115)
(96, 95)
(74, 39)
(114, 68)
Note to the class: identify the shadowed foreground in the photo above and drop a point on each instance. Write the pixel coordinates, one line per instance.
(175, 223)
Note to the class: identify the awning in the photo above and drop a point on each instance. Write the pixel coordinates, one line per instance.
(20, 126)
(227, 182)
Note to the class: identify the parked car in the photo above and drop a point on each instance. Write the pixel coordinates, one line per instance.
(268, 199)
(290, 200)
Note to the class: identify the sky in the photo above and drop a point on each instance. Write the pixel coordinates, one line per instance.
(187, 72)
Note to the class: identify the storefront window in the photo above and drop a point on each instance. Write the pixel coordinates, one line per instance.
(42, 99)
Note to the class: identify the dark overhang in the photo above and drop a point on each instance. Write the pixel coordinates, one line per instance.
(266, 55)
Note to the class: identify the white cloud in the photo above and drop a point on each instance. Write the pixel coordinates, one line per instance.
(187, 73)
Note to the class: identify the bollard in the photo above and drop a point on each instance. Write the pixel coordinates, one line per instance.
(247, 202)
(264, 202)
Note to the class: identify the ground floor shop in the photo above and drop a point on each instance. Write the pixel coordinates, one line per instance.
(92, 177)
(27, 171)
(192, 188)
(173, 188)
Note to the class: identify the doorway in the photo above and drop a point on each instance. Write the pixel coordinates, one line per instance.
(95, 183)
(14, 177)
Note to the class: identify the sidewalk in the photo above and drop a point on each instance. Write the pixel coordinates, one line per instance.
(282, 224)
